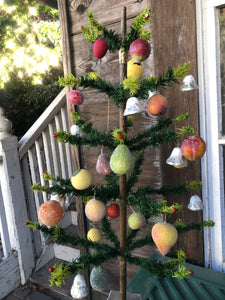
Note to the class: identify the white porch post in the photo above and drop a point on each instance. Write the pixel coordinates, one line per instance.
(14, 199)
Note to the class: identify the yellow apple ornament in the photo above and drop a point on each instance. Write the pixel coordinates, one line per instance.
(81, 179)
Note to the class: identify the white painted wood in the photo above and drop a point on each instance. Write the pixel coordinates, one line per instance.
(67, 146)
(47, 149)
(61, 152)
(46, 256)
(54, 152)
(32, 134)
(32, 211)
(15, 206)
(210, 124)
(10, 278)
(5, 240)
(66, 253)
(40, 167)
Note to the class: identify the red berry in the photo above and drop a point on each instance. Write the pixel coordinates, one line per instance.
(120, 136)
(55, 135)
(26, 223)
(50, 269)
(113, 210)
(187, 253)
(146, 16)
(188, 62)
(81, 27)
(191, 272)
(71, 110)
(177, 220)
(174, 210)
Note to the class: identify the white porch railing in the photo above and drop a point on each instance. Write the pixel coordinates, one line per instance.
(21, 165)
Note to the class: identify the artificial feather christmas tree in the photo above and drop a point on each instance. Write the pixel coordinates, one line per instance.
(123, 168)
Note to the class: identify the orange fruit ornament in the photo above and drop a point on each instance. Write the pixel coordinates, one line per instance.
(50, 213)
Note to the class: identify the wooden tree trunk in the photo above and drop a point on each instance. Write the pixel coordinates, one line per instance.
(123, 207)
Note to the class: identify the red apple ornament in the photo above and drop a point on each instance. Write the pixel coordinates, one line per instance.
(100, 48)
(75, 97)
(113, 210)
(193, 147)
(157, 105)
(140, 50)
(50, 212)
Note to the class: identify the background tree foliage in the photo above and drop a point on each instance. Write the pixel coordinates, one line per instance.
(30, 60)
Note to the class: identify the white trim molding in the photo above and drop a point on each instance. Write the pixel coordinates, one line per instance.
(207, 17)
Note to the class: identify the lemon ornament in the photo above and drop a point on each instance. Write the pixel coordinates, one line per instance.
(81, 179)
(135, 69)
(94, 235)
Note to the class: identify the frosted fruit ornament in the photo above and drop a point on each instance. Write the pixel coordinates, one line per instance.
(121, 161)
(81, 179)
(157, 105)
(94, 235)
(164, 236)
(195, 203)
(79, 289)
(140, 50)
(75, 97)
(136, 220)
(134, 69)
(95, 210)
(98, 278)
(103, 165)
(100, 48)
(50, 212)
(176, 159)
(193, 147)
(113, 210)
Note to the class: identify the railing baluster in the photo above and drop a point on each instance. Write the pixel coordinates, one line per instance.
(61, 152)
(40, 167)
(67, 146)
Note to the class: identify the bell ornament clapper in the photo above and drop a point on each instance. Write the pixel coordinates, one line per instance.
(134, 106)
(79, 289)
(176, 159)
(195, 203)
(188, 84)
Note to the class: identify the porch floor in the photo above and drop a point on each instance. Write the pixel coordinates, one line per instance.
(38, 287)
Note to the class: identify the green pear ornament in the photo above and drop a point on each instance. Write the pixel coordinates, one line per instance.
(121, 161)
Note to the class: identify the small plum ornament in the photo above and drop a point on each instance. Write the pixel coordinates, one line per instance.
(75, 97)
(140, 50)
(193, 147)
(79, 289)
(100, 48)
(113, 210)
(50, 213)
(95, 210)
(157, 105)
(103, 165)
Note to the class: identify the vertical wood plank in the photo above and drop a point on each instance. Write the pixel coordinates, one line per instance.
(40, 167)
(174, 42)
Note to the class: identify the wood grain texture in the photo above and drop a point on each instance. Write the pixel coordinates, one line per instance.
(174, 37)
(105, 12)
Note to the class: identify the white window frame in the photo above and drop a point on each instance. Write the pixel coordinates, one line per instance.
(207, 18)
